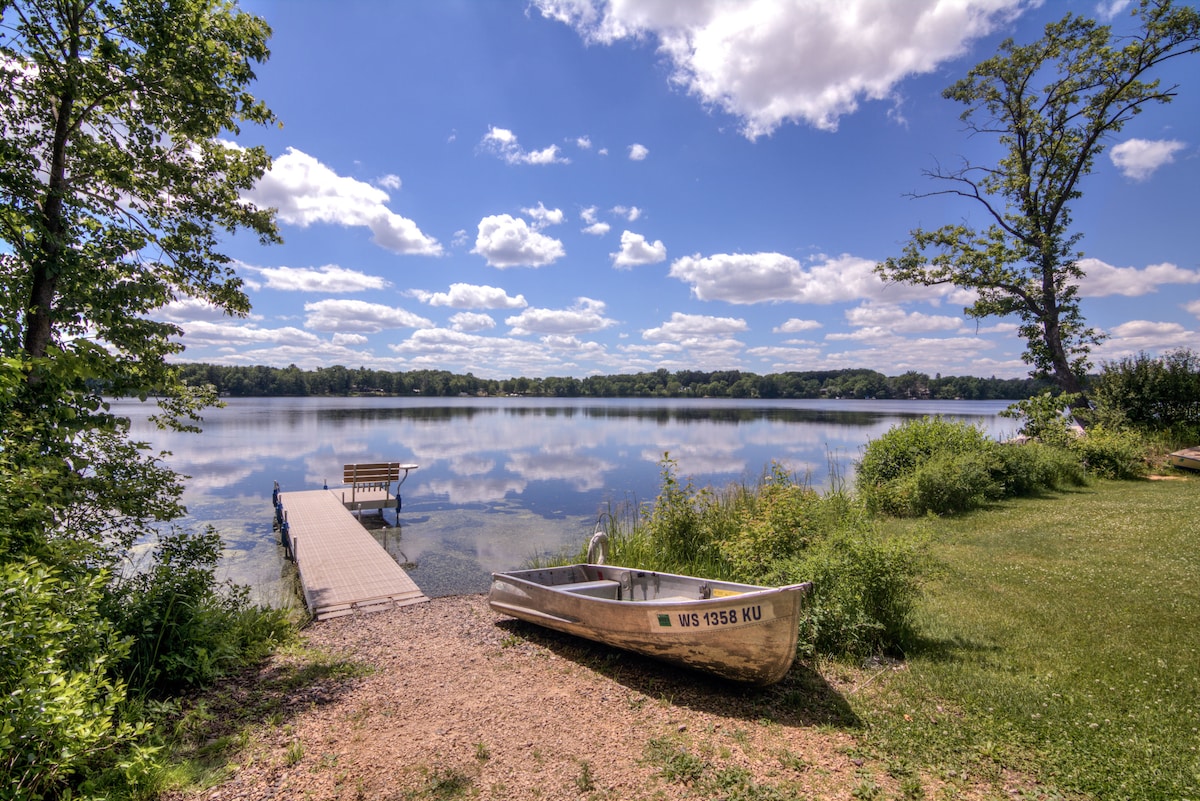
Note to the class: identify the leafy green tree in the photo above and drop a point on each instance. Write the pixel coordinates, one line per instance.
(115, 184)
(1052, 105)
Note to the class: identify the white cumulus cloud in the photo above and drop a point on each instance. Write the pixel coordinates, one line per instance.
(1140, 158)
(891, 318)
(543, 216)
(205, 332)
(329, 278)
(1144, 336)
(503, 143)
(636, 250)
(306, 192)
(1102, 280)
(795, 326)
(507, 241)
(359, 316)
(773, 61)
(586, 315)
(682, 327)
(775, 278)
(471, 321)
(471, 296)
(638, 152)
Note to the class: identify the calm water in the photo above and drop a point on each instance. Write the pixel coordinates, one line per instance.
(501, 479)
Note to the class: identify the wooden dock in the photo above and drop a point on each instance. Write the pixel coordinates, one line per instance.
(342, 568)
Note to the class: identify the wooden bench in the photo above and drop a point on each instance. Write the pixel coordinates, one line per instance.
(370, 485)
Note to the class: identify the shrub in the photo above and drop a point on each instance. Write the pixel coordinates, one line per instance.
(186, 628)
(1117, 455)
(947, 468)
(865, 590)
(58, 706)
(1150, 393)
(949, 483)
(780, 520)
(1046, 417)
(1029, 468)
(677, 520)
(887, 477)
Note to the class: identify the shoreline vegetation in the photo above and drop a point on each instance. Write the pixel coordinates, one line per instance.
(952, 647)
(1050, 657)
(339, 381)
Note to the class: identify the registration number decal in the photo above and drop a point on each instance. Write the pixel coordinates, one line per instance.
(713, 619)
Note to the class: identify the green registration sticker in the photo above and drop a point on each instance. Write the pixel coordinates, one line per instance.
(664, 620)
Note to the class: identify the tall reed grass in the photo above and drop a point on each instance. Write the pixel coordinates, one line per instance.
(779, 530)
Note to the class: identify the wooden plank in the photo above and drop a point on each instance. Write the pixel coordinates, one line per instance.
(342, 568)
(380, 472)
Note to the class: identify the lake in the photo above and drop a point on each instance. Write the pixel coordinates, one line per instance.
(501, 480)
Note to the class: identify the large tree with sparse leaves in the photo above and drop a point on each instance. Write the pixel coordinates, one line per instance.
(1053, 106)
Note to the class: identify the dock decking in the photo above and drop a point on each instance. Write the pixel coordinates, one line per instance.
(342, 568)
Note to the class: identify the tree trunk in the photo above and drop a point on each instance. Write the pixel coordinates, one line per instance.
(46, 269)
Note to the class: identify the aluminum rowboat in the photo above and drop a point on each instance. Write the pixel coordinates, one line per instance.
(1188, 458)
(739, 631)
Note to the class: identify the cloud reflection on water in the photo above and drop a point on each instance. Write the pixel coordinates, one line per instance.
(503, 479)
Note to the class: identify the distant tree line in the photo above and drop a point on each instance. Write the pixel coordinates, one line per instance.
(339, 381)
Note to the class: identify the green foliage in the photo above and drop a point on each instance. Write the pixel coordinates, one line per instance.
(1112, 454)
(678, 518)
(865, 590)
(337, 380)
(115, 182)
(783, 532)
(1045, 417)
(1151, 394)
(1053, 105)
(778, 521)
(1031, 468)
(58, 702)
(116, 193)
(948, 483)
(187, 629)
(937, 466)
(1112, 451)
(887, 473)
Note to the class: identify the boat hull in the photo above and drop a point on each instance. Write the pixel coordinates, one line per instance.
(1188, 458)
(741, 632)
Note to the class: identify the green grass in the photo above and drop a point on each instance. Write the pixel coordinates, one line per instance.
(1061, 639)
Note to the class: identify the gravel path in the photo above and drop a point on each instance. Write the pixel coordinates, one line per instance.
(450, 700)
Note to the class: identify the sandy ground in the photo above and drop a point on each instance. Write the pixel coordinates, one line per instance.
(451, 700)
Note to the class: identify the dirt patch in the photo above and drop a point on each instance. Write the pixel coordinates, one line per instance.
(451, 700)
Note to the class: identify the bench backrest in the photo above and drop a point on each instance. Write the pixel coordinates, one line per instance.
(382, 472)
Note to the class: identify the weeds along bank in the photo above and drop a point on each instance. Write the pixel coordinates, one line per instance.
(866, 582)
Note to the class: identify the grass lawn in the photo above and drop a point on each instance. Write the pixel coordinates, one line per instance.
(1061, 639)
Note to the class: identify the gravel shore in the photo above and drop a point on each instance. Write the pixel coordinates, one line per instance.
(448, 699)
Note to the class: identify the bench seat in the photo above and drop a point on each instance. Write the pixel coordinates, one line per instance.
(603, 588)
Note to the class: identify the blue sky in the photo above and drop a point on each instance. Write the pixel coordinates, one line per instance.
(562, 187)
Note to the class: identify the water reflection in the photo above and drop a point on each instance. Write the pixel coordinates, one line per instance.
(501, 480)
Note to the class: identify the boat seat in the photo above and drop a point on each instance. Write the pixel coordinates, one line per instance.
(603, 588)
